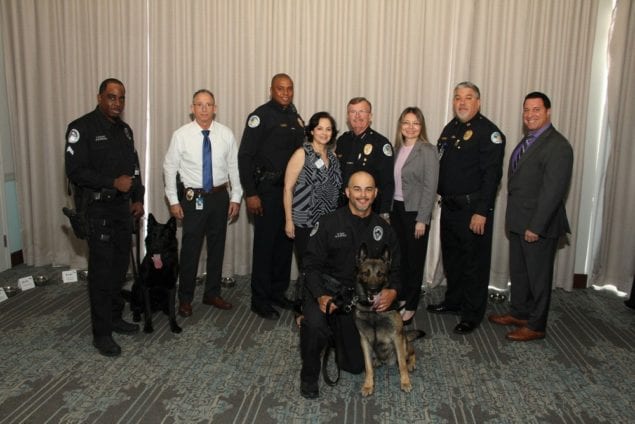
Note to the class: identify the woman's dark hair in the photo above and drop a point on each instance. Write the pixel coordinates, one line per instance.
(315, 120)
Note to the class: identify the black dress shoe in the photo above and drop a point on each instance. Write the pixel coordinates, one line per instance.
(107, 346)
(464, 327)
(265, 312)
(284, 303)
(309, 390)
(442, 308)
(122, 327)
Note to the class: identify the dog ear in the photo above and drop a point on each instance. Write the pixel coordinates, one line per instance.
(151, 220)
(385, 254)
(362, 254)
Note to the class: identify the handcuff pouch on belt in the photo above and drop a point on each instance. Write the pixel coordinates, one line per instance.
(457, 202)
(342, 295)
(274, 178)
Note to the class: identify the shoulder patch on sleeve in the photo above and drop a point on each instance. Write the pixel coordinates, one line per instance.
(387, 149)
(496, 137)
(314, 230)
(254, 121)
(73, 136)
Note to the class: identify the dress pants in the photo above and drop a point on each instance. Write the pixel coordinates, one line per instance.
(109, 246)
(209, 223)
(272, 250)
(413, 254)
(531, 275)
(466, 261)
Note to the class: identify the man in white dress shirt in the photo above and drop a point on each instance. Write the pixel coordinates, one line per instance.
(210, 196)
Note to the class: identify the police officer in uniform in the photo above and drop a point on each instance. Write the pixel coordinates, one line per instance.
(103, 167)
(272, 133)
(363, 148)
(332, 250)
(471, 149)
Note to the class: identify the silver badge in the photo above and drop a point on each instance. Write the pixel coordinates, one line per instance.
(378, 233)
(73, 136)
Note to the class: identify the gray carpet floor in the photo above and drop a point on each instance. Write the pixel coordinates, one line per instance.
(233, 367)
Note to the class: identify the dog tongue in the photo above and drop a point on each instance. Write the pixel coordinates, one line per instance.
(156, 259)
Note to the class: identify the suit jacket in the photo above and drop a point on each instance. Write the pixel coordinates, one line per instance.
(419, 177)
(538, 188)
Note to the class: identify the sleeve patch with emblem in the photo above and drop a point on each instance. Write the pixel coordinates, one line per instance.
(253, 121)
(387, 149)
(73, 136)
(496, 137)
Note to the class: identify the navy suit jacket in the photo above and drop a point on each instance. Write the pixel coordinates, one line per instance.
(538, 187)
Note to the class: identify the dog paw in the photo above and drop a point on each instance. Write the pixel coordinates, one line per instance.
(176, 329)
(406, 387)
(367, 390)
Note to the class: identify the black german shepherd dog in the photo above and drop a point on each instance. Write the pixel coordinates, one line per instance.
(154, 287)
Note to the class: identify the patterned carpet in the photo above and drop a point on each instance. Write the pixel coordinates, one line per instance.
(233, 367)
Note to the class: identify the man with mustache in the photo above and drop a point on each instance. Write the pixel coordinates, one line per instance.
(471, 149)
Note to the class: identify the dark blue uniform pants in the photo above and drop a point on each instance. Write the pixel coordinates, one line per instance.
(466, 261)
(108, 259)
(272, 250)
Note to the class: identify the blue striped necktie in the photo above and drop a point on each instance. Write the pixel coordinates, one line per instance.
(208, 182)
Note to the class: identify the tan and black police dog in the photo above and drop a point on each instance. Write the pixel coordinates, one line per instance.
(381, 333)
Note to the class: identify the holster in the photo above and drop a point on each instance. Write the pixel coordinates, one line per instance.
(79, 223)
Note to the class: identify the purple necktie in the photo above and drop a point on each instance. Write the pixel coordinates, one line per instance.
(520, 150)
(208, 182)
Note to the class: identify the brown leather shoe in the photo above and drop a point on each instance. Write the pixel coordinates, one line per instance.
(525, 334)
(507, 319)
(217, 302)
(185, 309)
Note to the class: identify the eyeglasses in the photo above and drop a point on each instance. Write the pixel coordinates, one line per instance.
(410, 123)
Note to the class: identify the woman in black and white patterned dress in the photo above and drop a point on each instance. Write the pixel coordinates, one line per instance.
(312, 181)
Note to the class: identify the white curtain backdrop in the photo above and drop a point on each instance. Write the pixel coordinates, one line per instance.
(397, 53)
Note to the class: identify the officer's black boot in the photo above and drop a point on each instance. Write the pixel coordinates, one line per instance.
(106, 346)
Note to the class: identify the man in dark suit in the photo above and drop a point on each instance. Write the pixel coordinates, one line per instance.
(537, 183)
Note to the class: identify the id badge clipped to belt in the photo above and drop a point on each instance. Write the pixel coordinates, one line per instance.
(199, 203)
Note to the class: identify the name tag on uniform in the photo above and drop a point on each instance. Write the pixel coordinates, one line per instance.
(199, 203)
(319, 163)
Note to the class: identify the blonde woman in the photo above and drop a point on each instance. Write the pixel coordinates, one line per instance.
(416, 173)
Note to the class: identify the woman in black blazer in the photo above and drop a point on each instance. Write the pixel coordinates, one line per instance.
(416, 172)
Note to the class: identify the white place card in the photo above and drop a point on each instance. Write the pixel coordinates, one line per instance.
(3, 295)
(26, 283)
(69, 276)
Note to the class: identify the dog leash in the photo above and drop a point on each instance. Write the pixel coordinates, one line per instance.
(330, 347)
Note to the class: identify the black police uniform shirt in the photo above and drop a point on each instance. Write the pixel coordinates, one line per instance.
(471, 160)
(371, 152)
(272, 133)
(334, 244)
(99, 150)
